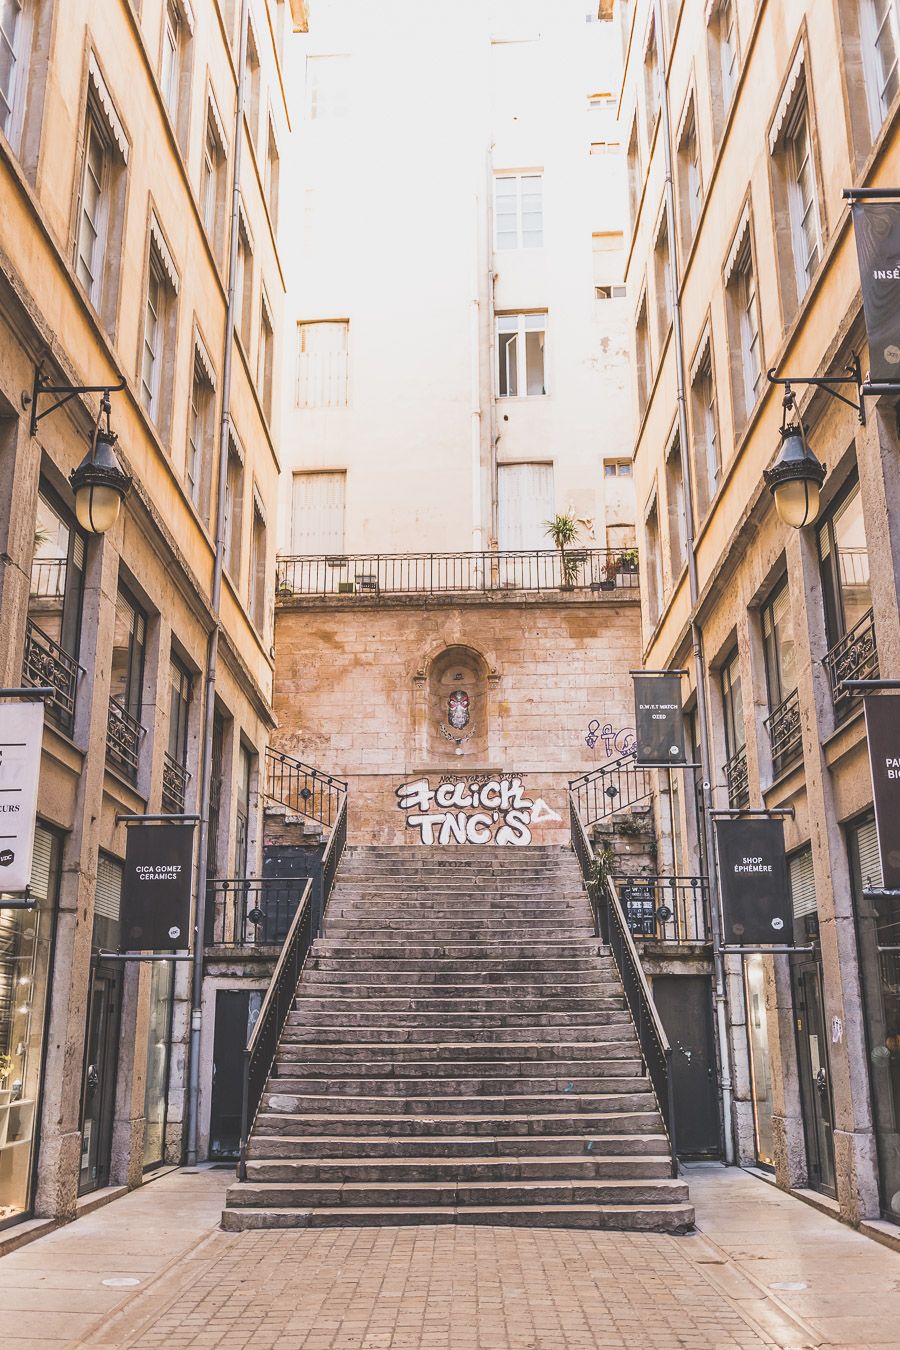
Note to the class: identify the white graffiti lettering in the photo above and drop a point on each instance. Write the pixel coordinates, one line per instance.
(503, 812)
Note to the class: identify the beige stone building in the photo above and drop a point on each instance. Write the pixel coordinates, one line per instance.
(766, 112)
(120, 137)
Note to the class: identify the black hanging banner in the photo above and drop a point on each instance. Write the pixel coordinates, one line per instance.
(658, 721)
(156, 893)
(876, 225)
(753, 877)
(883, 732)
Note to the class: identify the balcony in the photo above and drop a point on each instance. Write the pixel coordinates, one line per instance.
(855, 657)
(737, 779)
(588, 569)
(47, 665)
(123, 740)
(174, 785)
(665, 909)
(785, 732)
(251, 911)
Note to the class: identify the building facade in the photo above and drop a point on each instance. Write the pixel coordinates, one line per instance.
(766, 113)
(119, 138)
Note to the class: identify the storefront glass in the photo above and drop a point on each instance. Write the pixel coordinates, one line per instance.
(760, 1065)
(158, 1041)
(25, 953)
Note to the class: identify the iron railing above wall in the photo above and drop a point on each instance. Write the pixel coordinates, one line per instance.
(785, 732)
(123, 740)
(48, 665)
(665, 909)
(251, 911)
(612, 927)
(611, 788)
(595, 569)
(305, 791)
(305, 927)
(855, 657)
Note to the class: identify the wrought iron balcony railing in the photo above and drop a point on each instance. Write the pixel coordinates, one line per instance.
(855, 657)
(594, 569)
(48, 665)
(665, 909)
(48, 578)
(123, 740)
(737, 778)
(174, 784)
(785, 732)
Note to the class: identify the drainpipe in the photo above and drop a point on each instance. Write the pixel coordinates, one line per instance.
(209, 691)
(492, 347)
(720, 997)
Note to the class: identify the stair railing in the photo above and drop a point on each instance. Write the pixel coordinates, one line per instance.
(304, 790)
(611, 788)
(259, 1056)
(612, 928)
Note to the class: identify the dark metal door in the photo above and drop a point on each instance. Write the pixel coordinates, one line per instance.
(815, 1075)
(685, 1007)
(98, 1091)
(236, 1012)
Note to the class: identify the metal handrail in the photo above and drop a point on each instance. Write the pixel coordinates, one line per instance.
(45, 662)
(303, 789)
(613, 929)
(596, 569)
(646, 899)
(262, 1047)
(612, 787)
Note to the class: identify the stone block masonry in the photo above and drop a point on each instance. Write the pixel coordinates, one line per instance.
(408, 692)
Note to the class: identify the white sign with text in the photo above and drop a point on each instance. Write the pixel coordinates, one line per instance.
(21, 732)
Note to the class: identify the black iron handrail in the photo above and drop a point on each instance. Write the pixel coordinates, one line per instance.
(595, 569)
(48, 665)
(251, 911)
(123, 739)
(785, 731)
(854, 657)
(611, 788)
(304, 790)
(612, 927)
(306, 924)
(665, 909)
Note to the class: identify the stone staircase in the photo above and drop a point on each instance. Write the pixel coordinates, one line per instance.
(460, 1051)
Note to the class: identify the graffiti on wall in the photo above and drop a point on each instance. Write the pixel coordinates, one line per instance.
(615, 742)
(477, 810)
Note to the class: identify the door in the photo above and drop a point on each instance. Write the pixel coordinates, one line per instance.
(98, 1092)
(525, 503)
(236, 1014)
(317, 513)
(815, 1075)
(684, 1003)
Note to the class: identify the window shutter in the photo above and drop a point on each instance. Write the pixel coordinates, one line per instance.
(803, 885)
(108, 895)
(869, 856)
(41, 863)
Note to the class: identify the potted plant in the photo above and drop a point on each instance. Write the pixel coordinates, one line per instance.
(629, 558)
(610, 571)
(563, 530)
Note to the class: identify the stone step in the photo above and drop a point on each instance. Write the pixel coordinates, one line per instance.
(498, 1002)
(404, 1171)
(457, 1146)
(619, 1218)
(589, 1033)
(318, 983)
(415, 911)
(458, 1056)
(474, 965)
(423, 934)
(641, 1122)
(387, 949)
(304, 1195)
(289, 1066)
(619, 1077)
(305, 1103)
(329, 1018)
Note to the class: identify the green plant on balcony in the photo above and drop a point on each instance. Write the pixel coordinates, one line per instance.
(563, 530)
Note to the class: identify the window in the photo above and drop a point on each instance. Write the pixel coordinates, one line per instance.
(723, 60)
(258, 565)
(880, 40)
(518, 211)
(642, 351)
(633, 162)
(272, 174)
(175, 66)
(53, 637)
(802, 883)
(317, 513)
(252, 85)
(234, 504)
(101, 200)
(651, 81)
(798, 232)
(742, 305)
(662, 279)
(327, 83)
(525, 502)
(520, 354)
(15, 43)
(610, 292)
(129, 649)
(705, 427)
(844, 565)
(803, 199)
(179, 707)
(781, 677)
(198, 466)
(213, 185)
(690, 182)
(265, 357)
(159, 331)
(735, 735)
(243, 280)
(617, 468)
(652, 564)
(323, 364)
(242, 811)
(676, 508)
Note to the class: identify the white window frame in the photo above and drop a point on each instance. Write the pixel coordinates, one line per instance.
(704, 401)
(870, 34)
(18, 45)
(170, 63)
(534, 321)
(518, 178)
(323, 374)
(265, 356)
(804, 213)
(154, 336)
(233, 531)
(729, 52)
(89, 264)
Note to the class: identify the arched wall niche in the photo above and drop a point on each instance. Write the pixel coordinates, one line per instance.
(457, 704)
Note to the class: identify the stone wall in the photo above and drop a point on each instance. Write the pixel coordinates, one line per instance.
(365, 689)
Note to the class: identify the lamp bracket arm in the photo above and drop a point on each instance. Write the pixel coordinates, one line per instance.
(41, 389)
(826, 383)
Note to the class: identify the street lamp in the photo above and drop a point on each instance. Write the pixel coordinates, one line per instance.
(796, 477)
(100, 483)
